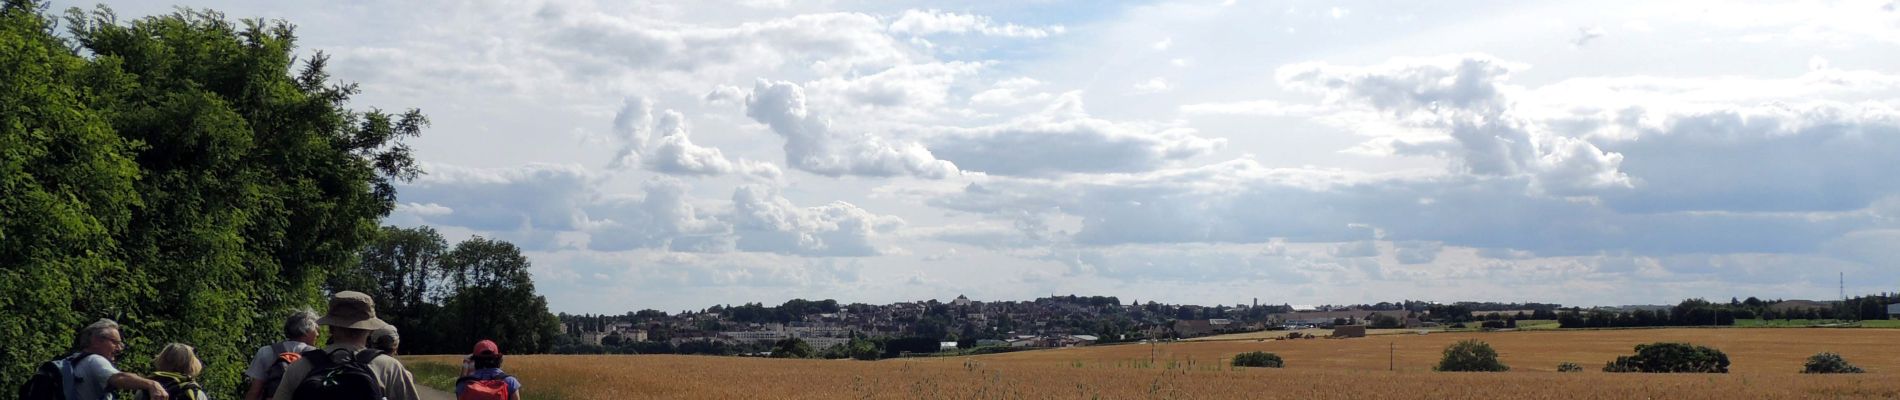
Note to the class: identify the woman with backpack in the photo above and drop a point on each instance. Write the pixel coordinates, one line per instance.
(176, 369)
(482, 378)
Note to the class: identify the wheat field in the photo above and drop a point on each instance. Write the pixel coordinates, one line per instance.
(1765, 365)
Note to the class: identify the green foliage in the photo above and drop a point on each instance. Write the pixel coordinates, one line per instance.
(491, 296)
(1569, 367)
(1671, 358)
(1829, 363)
(1470, 355)
(179, 178)
(791, 348)
(1258, 359)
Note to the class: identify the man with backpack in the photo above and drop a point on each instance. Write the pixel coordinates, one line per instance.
(88, 374)
(267, 366)
(348, 369)
(485, 381)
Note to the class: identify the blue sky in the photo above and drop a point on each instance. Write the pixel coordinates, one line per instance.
(675, 155)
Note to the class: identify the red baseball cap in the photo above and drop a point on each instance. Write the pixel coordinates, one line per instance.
(486, 347)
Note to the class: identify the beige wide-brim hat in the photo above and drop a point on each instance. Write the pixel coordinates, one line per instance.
(352, 310)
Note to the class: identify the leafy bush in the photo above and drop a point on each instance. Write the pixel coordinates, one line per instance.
(1671, 358)
(1569, 367)
(1829, 363)
(1258, 359)
(1470, 356)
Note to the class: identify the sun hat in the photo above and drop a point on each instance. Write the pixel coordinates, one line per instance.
(352, 310)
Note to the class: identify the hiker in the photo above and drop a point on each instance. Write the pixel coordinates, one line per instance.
(176, 369)
(348, 369)
(267, 366)
(485, 381)
(385, 339)
(88, 373)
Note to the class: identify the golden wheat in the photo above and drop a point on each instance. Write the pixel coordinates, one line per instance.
(1766, 365)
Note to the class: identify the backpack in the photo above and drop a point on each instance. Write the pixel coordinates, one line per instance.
(177, 387)
(350, 379)
(473, 388)
(50, 381)
(275, 374)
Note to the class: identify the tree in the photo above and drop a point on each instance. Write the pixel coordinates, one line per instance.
(791, 348)
(176, 168)
(492, 297)
(398, 270)
(68, 189)
(1258, 359)
(1671, 358)
(1829, 363)
(1470, 355)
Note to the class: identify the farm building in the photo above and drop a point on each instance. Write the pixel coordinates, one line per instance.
(1349, 331)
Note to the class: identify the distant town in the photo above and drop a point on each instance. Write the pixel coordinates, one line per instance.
(963, 324)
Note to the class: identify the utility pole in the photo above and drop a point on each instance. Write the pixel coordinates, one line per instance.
(1392, 360)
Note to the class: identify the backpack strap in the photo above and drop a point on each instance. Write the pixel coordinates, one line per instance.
(366, 356)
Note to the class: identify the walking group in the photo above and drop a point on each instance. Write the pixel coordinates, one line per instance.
(357, 363)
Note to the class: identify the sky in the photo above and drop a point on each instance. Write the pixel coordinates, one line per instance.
(675, 155)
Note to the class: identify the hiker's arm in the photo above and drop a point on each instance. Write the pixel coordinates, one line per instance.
(130, 381)
(257, 390)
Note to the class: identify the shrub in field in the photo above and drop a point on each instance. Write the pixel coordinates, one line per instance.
(1470, 356)
(1258, 359)
(1670, 358)
(1569, 367)
(1829, 363)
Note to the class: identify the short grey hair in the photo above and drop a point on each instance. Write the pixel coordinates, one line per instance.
(94, 331)
(300, 323)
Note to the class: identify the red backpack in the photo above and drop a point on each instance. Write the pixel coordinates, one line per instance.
(495, 388)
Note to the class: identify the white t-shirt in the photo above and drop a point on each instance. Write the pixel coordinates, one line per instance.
(260, 363)
(90, 375)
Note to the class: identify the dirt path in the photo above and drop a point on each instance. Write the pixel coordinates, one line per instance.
(429, 393)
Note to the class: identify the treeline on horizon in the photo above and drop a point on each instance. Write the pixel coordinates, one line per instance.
(188, 177)
(1700, 312)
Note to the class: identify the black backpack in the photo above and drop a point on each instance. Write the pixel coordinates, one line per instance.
(49, 381)
(275, 374)
(349, 379)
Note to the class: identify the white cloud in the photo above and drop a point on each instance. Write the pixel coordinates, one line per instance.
(931, 22)
(811, 143)
(674, 153)
(1065, 139)
(1163, 44)
(1155, 85)
(1465, 96)
(766, 221)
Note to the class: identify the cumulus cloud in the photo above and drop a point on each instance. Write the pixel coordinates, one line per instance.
(1156, 85)
(931, 22)
(1465, 96)
(1065, 139)
(633, 124)
(811, 143)
(654, 220)
(674, 153)
(765, 221)
(1585, 35)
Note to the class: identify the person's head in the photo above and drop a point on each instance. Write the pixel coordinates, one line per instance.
(301, 326)
(486, 355)
(385, 339)
(178, 358)
(351, 317)
(102, 338)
